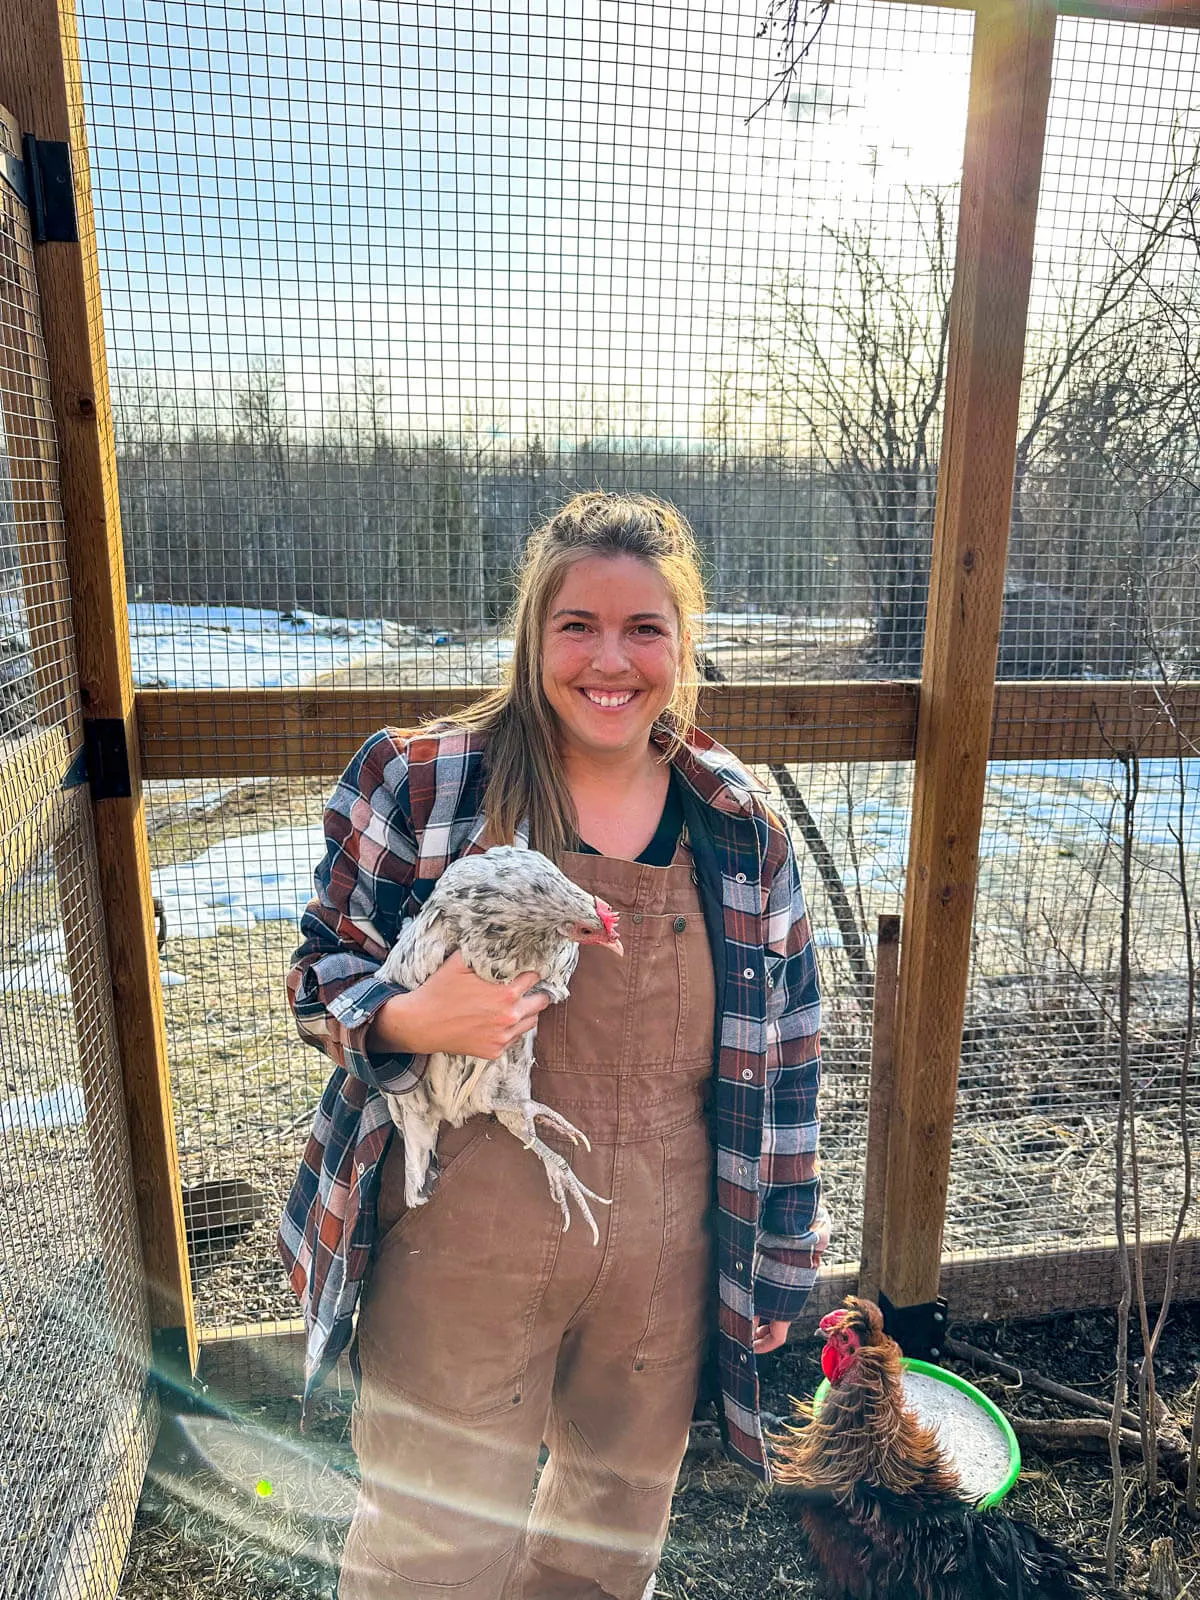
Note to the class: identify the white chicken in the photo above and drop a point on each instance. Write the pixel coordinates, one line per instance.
(506, 911)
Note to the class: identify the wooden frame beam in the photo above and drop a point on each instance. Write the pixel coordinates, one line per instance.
(1147, 13)
(1011, 67)
(312, 733)
(246, 1363)
(41, 85)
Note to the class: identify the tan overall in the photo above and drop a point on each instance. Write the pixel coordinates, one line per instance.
(486, 1330)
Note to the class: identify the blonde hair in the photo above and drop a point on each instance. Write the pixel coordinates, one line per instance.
(524, 767)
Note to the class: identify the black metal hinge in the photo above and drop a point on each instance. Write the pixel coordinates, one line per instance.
(107, 757)
(49, 191)
(920, 1331)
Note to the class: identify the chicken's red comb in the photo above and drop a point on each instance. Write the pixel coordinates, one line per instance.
(608, 917)
(832, 1320)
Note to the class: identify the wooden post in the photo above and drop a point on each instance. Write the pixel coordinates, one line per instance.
(41, 84)
(1010, 87)
(879, 1109)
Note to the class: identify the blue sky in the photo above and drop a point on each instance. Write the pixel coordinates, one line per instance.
(517, 214)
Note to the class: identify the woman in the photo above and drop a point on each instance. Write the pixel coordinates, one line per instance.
(692, 1063)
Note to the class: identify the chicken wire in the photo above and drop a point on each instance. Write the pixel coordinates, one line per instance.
(74, 1344)
(384, 286)
(1106, 529)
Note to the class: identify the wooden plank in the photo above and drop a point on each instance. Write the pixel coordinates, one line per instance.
(91, 1565)
(1149, 13)
(41, 84)
(254, 1361)
(1029, 1281)
(1164, 14)
(1083, 721)
(262, 733)
(988, 1285)
(879, 1106)
(314, 732)
(1006, 117)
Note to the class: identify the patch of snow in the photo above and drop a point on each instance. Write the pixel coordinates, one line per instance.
(61, 1107)
(259, 877)
(46, 980)
(236, 647)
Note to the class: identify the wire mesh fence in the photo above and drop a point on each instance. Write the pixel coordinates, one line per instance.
(1104, 527)
(74, 1344)
(383, 289)
(381, 293)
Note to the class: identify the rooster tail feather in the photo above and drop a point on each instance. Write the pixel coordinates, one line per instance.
(1021, 1562)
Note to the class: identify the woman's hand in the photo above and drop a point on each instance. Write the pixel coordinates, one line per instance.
(458, 1013)
(768, 1335)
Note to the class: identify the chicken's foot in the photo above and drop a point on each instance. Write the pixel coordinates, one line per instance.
(563, 1183)
(536, 1112)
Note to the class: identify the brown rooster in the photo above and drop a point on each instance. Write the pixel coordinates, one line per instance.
(880, 1502)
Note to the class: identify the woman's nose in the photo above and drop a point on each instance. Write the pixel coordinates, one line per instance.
(610, 653)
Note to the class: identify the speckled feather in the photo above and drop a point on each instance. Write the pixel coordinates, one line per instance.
(507, 911)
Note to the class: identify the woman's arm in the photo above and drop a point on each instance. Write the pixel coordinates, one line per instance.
(378, 1031)
(793, 1225)
(362, 883)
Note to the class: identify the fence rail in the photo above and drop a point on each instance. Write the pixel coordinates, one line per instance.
(260, 733)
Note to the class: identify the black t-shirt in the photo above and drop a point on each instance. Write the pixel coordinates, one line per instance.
(660, 852)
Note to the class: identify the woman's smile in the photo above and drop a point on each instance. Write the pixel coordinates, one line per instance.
(609, 699)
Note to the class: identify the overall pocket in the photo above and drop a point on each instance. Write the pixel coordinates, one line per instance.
(450, 1305)
(677, 1316)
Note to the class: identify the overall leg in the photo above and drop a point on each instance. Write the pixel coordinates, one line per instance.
(626, 1384)
(457, 1373)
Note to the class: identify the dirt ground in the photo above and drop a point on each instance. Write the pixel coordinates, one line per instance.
(201, 1537)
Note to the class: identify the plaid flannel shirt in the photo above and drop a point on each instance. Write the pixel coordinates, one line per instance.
(405, 808)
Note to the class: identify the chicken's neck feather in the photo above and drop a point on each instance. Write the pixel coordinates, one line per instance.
(865, 1434)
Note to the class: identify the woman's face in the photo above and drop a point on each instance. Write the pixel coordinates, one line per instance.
(610, 653)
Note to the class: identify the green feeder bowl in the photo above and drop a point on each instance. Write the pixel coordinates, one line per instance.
(1006, 1454)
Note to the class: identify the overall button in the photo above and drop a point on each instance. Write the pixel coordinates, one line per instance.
(637, 917)
(680, 924)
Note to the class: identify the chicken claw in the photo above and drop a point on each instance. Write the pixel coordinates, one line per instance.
(563, 1182)
(536, 1112)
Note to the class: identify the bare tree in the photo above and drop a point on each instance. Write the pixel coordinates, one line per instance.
(860, 365)
(854, 368)
(262, 425)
